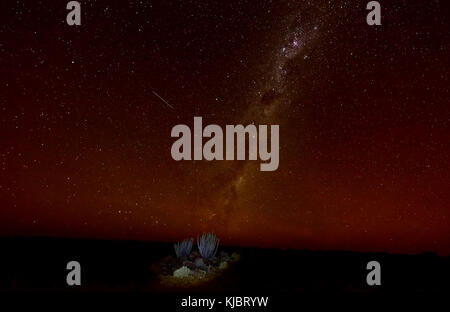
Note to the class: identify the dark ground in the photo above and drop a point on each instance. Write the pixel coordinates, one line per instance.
(39, 265)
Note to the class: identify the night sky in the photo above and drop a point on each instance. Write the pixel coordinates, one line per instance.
(363, 113)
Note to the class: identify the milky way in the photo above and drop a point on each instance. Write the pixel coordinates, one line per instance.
(298, 34)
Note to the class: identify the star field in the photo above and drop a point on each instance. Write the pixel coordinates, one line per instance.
(86, 114)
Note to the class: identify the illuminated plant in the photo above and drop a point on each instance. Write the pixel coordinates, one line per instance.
(207, 245)
(183, 249)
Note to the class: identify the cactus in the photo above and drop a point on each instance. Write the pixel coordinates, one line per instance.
(183, 249)
(207, 245)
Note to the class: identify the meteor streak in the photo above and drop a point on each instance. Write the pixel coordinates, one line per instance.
(167, 103)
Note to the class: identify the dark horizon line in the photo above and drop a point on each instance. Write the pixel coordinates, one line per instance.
(166, 242)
